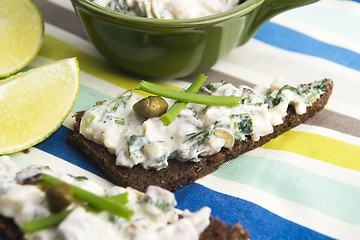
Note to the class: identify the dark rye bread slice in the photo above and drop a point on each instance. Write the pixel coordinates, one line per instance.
(217, 230)
(179, 174)
(9, 229)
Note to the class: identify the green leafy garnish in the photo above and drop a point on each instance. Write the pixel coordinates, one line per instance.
(135, 144)
(160, 203)
(242, 125)
(212, 100)
(55, 219)
(94, 200)
(120, 121)
(120, 101)
(274, 101)
(45, 222)
(212, 86)
(176, 108)
(79, 178)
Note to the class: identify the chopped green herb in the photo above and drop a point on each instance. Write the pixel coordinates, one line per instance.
(89, 118)
(120, 121)
(274, 101)
(242, 123)
(212, 86)
(120, 101)
(160, 162)
(194, 143)
(135, 144)
(160, 203)
(101, 102)
(79, 178)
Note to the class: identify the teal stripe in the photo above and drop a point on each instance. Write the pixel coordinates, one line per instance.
(87, 97)
(336, 199)
(338, 23)
(21, 162)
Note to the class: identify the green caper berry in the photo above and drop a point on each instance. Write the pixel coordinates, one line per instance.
(59, 197)
(153, 106)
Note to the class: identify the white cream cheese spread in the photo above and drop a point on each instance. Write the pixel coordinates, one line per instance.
(169, 9)
(154, 217)
(199, 130)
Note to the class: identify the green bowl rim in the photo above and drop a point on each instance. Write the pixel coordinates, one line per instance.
(240, 10)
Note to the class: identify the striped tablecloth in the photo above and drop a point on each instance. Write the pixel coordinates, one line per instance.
(304, 184)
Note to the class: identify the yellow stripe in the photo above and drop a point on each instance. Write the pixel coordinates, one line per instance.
(318, 147)
(56, 49)
(307, 144)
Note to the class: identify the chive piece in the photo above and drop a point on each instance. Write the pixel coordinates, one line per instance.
(45, 222)
(55, 219)
(96, 201)
(176, 108)
(120, 198)
(212, 100)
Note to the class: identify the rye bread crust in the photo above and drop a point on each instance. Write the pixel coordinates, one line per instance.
(217, 230)
(179, 174)
(10, 230)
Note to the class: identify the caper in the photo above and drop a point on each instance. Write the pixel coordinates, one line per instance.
(59, 197)
(153, 106)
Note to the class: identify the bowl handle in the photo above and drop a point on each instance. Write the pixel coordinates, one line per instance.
(265, 11)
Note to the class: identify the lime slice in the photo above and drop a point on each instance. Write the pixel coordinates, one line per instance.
(35, 103)
(21, 34)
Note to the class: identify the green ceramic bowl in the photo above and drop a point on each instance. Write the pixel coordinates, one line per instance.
(174, 48)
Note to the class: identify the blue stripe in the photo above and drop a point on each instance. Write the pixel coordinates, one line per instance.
(291, 40)
(51, 145)
(261, 223)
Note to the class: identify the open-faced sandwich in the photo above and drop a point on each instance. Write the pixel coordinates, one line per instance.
(38, 204)
(136, 144)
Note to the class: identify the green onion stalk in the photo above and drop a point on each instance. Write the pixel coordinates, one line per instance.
(96, 203)
(185, 97)
(176, 108)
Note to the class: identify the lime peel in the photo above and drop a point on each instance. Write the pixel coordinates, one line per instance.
(35, 103)
(21, 35)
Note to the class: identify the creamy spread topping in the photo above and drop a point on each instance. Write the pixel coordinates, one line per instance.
(169, 9)
(154, 217)
(199, 130)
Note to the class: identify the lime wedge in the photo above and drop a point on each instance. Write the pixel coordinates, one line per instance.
(35, 103)
(21, 34)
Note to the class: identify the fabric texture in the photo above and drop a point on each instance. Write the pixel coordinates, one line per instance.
(304, 184)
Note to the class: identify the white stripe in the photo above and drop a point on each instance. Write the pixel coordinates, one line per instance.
(306, 27)
(345, 108)
(339, 174)
(317, 33)
(297, 213)
(100, 85)
(260, 70)
(347, 6)
(261, 64)
(38, 157)
(328, 133)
